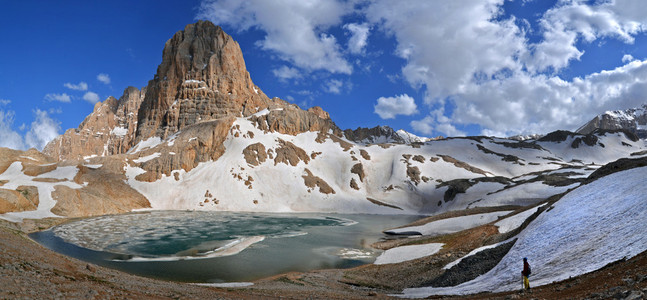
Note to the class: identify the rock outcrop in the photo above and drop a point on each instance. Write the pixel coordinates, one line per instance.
(109, 129)
(202, 77)
(633, 120)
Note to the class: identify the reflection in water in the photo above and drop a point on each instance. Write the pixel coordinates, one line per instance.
(221, 246)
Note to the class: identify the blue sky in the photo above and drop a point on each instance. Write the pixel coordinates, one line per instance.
(468, 67)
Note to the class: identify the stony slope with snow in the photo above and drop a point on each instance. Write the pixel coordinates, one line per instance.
(633, 120)
(588, 228)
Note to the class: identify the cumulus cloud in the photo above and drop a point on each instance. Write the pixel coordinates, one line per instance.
(81, 86)
(436, 121)
(43, 130)
(58, 97)
(8, 137)
(285, 73)
(4, 102)
(91, 97)
(358, 37)
(333, 86)
(627, 58)
(570, 21)
(389, 107)
(105, 78)
(447, 43)
(468, 56)
(295, 30)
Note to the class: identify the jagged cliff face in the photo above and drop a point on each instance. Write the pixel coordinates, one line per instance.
(109, 129)
(633, 120)
(202, 77)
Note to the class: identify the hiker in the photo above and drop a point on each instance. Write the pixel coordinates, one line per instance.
(525, 273)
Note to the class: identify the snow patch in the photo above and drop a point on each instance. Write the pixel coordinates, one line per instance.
(451, 225)
(147, 157)
(226, 284)
(511, 223)
(477, 250)
(119, 131)
(145, 144)
(405, 253)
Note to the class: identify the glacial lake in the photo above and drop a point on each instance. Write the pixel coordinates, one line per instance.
(198, 246)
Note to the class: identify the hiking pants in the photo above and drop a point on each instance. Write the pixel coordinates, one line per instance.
(526, 282)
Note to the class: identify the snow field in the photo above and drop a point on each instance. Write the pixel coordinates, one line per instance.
(406, 253)
(451, 225)
(513, 222)
(587, 229)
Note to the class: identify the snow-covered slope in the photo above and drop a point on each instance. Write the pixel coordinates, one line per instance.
(587, 229)
(261, 170)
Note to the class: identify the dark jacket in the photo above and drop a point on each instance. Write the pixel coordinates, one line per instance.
(526, 269)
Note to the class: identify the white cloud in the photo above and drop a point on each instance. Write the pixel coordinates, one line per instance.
(570, 21)
(82, 86)
(627, 58)
(424, 126)
(295, 30)
(4, 102)
(43, 130)
(58, 97)
(333, 86)
(8, 137)
(105, 78)
(468, 57)
(447, 43)
(436, 121)
(359, 36)
(284, 73)
(389, 107)
(91, 97)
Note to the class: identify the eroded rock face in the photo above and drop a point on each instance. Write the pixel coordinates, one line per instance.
(313, 181)
(255, 154)
(290, 154)
(290, 119)
(195, 144)
(202, 77)
(105, 193)
(359, 170)
(18, 200)
(108, 130)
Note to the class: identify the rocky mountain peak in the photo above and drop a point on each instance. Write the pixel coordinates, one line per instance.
(202, 77)
(109, 129)
(384, 134)
(633, 120)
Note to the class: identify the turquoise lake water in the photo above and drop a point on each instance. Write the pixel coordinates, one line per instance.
(193, 246)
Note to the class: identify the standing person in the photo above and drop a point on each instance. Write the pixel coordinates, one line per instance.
(525, 273)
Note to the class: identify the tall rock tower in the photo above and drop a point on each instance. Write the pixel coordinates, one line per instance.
(202, 77)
